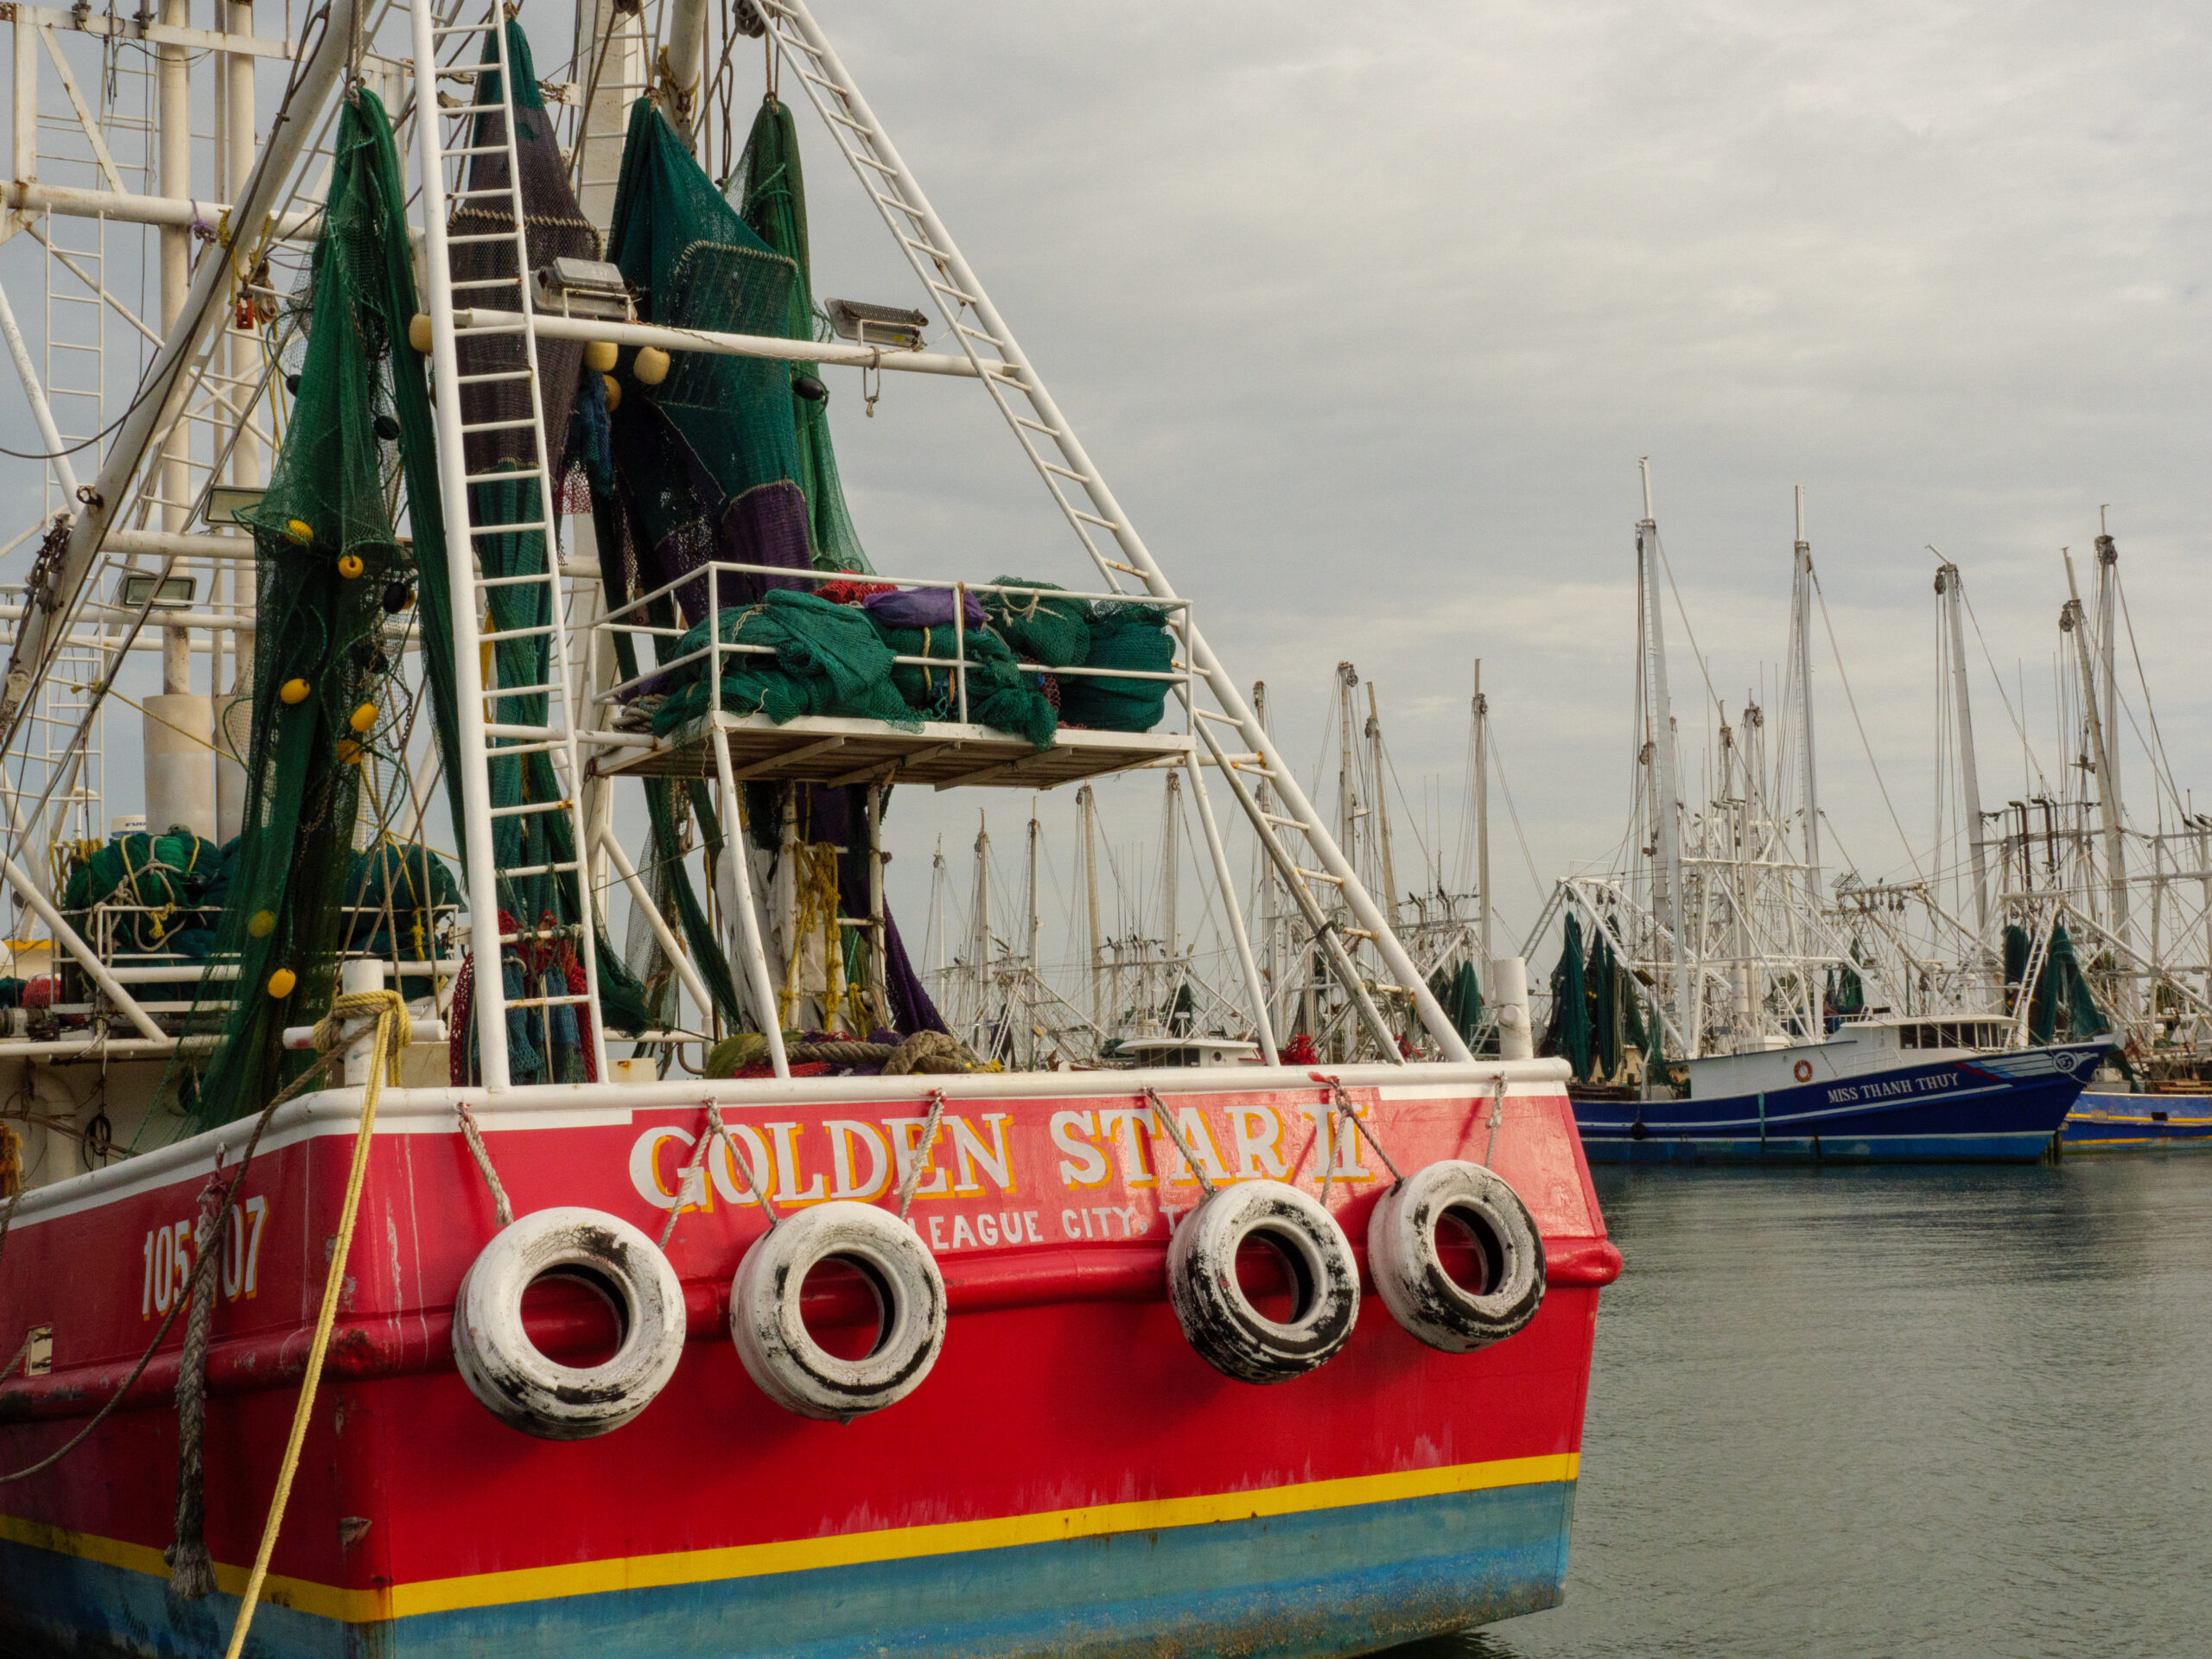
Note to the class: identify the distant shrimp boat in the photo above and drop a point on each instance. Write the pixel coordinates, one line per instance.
(1856, 1098)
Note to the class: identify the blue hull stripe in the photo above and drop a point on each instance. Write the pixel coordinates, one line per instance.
(1332, 1581)
(1993, 1120)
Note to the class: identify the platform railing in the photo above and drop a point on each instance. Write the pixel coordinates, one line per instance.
(633, 620)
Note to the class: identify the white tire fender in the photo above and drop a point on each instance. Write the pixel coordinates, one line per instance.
(1219, 1319)
(1409, 1273)
(522, 1388)
(772, 1338)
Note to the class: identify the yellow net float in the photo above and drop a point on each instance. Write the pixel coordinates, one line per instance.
(350, 566)
(613, 392)
(263, 923)
(295, 691)
(301, 531)
(652, 366)
(281, 983)
(364, 717)
(600, 355)
(349, 751)
(418, 332)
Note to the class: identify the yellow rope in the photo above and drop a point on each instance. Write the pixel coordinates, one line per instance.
(392, 1036)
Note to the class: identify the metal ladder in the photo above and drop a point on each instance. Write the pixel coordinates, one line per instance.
(1088, 506)
(471, 589)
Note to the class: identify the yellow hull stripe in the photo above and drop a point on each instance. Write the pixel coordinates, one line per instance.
(805, 1555)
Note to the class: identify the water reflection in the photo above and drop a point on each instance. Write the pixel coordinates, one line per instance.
(1874, 1412)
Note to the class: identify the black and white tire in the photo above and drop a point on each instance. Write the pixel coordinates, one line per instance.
(1219, 1319)
(522, 1388)
(792, 1368)
(1409, 1273)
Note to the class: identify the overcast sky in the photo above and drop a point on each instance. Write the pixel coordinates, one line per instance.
(1368, 313)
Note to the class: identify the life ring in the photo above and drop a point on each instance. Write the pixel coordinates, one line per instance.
(1803, 1070)
(794, 1369)
(1219, 1320)
(1425, 1297)
(519, 1385)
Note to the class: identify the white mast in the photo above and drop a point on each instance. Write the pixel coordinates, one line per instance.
(979, 949)
(1169, 867)
(1034, 976)
(1086, 807)
(2074, 621)
(1801, 603)
(1952, 596)
(2109, 762)
(1668, 906)
(1481, 821)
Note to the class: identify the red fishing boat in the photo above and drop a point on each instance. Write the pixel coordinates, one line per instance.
(362, 1301)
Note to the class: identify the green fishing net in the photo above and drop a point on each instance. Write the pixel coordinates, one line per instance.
(324, 556)
(1127, 636)
(167, 890)
(827, 660)
(1053, 631)
(1002, 694)
(771, 191)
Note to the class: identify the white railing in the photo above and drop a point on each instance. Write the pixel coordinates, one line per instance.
(633, 620)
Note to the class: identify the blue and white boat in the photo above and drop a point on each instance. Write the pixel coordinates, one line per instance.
(1877, 1091)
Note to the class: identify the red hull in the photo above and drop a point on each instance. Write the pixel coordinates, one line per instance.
(1066, 1403)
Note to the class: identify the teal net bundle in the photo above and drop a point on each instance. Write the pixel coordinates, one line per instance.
(827, 660)
(1002, 694)
(1053, 631)
(401, 900)
(165, 893)
(1129, 635)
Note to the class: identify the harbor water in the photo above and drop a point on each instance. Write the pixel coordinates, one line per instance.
(1874, 1412)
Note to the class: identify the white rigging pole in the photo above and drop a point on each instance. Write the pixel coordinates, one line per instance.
(1668, 905)
(1802, 605)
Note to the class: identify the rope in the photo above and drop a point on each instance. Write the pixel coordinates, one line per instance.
(715, 1132)
(1496, 1117)
(192, 1572)
(922, 1158)
(469, 1132)
(392, 1032)
(1168, 1120)
(1344, 1110)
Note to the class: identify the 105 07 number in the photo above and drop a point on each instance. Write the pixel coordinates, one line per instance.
(168, 1253)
